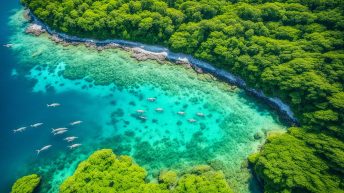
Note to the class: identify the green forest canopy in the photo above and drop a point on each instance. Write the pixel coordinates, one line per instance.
(26, 184)
(292, 49)
(105, 172)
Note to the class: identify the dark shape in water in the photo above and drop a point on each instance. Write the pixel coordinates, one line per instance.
(132, 103)
(179, 123)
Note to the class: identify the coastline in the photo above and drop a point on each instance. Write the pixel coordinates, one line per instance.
(143, 52)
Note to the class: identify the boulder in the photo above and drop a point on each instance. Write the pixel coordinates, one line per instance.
(35, 29)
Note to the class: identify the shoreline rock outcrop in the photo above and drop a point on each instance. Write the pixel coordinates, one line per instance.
(35, 29)
(142, 55)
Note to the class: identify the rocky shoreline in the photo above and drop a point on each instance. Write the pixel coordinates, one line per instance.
(150, 52)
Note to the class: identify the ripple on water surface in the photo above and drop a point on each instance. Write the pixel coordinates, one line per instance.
(218, 126)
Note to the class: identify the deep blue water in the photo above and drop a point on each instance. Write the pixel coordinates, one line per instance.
(19, 106)
(9, 103)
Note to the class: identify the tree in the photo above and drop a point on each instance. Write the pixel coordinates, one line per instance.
(104, 172)
(337, 100)
(288, 164)
(26, 184)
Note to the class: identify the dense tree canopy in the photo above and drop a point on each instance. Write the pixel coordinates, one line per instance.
(292, 49)
(202, 180)
(26, 184)
(105, 172)
(310, 173)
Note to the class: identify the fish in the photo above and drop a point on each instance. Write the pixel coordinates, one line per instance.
(70, 139)
(75, 145)
(140, 111)
(36, 125)
(21, 129)
(151, 99)
(200, 114)
(43, 148)
(60, 132)
(53, 105)
(58, 129)
(192, 120)
(159, 109)
(8, 45)
(75, 123)
(142, 117)
(181, 113)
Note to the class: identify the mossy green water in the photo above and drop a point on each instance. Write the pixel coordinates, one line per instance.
(233, 125)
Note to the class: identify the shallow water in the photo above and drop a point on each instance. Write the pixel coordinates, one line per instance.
(107, 89)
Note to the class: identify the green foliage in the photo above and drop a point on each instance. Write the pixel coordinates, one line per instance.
(277, 167)
(103, 171)
(26, 184)
(169, 178)
(207, 182)
(289, 49)
(253, 158)
(337, 100)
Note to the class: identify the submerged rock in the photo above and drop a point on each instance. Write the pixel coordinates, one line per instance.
(183, 62)
(198, 70)
(142, 55)
(35, 29)
(26, 14)
(258, 135)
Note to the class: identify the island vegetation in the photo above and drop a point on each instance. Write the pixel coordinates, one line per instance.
(292, 49)
(104, 172)
(26, 184)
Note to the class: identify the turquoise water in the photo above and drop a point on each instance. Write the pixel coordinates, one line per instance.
(105, 89)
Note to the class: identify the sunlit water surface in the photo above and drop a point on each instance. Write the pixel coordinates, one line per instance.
(36, 71)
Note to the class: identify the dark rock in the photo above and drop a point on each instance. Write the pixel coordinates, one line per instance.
(258, 136)
(35, 29)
